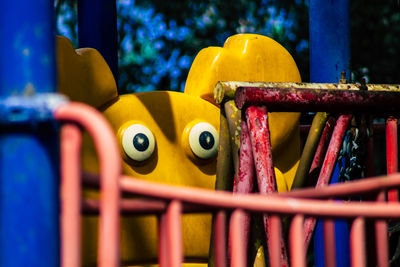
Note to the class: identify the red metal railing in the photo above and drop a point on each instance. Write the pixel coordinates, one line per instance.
(171, 202)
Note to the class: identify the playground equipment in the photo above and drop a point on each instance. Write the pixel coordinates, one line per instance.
(39, 187)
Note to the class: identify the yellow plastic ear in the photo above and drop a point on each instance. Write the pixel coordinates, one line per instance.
(83, 74)
(253, 58)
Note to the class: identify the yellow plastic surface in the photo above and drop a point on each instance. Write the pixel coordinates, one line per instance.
(83, 74)
(253, 58)
(167, 115)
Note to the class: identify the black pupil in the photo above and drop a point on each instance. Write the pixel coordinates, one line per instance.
(206, 140)
(141, 142)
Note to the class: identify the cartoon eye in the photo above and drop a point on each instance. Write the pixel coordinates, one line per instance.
(138, 142)
(204, 140)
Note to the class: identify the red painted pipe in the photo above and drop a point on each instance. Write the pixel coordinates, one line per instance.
(329, 243)
(327, 167)
(245, 180)
(71, 139)
(322, 145)
(257, 121)
(344, 101)
(163, 254)
(357, 243)
(174, 233)
(296, 237)
(392, 153)
(220, 239)
(239, 249)
(110, 170)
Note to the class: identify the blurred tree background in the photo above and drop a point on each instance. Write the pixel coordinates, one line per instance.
(158, 39)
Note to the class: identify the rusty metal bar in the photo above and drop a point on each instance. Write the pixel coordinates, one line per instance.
(357, 243)
(239, 249)
(322, 145)
(226, 90)
(328, 166)
(297, 248)
(343, 101)
(310, 147)
(233, 116)
(245, 179)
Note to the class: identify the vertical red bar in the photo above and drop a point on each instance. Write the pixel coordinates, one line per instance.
(333, 150)
(162, 241)
(71, 140)
(391, 153)
(257, 121)
(329, 243)
(220, 239)
(381, 237)
(328, 165)
(239, 249)
(245, 179)
(274, 242)
(297, 248)
(174, 233)
(357, 243)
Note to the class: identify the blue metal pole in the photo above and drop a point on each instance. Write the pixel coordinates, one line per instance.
(29, 171)
(329, 40)
(329, 56)
(97, 28)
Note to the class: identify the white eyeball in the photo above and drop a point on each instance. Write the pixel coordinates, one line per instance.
(204, 140)
(138, 142)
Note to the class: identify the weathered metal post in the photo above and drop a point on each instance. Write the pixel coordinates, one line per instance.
(29, 153)
(329, 56)
(97, 28)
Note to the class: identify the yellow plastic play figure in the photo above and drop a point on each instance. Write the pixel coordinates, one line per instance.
(166, 137)
(254, 58)
(172, 137)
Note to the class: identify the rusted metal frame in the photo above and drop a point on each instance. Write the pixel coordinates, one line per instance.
(71, 140)
(345, 101)
(357, 243)
(327, 167)
(257, 122)
(174, 233)
(224, 90)
(309, 149)
(296, 237)
(239, 248)
(391, 153)
(329, 242)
